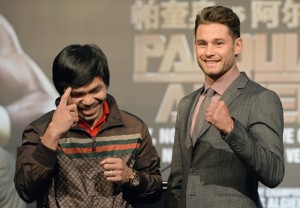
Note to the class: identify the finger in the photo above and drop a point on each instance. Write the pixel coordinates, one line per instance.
(112, 164)
(74, 124)
(103, 161)
(65, 97)
(110, 167)
(109, 173)
(112, 160)
(72, 108)
(221, 103)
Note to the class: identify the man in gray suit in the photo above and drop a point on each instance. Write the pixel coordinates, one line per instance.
(240, 144)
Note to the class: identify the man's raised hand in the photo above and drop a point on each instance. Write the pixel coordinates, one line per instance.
(66, 114)
(64, 117)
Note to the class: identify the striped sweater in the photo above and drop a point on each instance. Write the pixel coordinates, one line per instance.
(72, 175)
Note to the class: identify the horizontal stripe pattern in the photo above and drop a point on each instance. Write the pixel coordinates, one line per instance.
(105, 146)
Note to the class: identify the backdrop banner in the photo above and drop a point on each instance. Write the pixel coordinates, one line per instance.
(150, 51)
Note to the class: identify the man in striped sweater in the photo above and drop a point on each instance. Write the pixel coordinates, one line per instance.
(87, 152)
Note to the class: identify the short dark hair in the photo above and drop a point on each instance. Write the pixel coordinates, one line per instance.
(77, 65)
(219, 14)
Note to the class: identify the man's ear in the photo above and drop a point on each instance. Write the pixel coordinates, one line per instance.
(238, 46)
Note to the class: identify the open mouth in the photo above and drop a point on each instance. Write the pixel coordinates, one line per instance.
(211, 63)
(90, 110)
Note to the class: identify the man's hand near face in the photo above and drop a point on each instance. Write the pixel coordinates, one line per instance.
(63, 119)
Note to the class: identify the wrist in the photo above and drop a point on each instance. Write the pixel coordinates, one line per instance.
(225, 133)
(50, 138)
(134, 179)
(231, 126)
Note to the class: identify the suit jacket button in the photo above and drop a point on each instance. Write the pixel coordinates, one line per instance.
(193, 169)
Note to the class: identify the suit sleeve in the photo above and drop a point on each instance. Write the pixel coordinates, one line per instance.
(260, 144)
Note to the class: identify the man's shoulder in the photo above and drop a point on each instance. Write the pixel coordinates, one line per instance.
(43, 119)
(128, 116)
(256, 87)
(191, 96)
(250, 85)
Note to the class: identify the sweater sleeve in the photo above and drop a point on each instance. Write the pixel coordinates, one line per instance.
(34, 166)
(147, 164)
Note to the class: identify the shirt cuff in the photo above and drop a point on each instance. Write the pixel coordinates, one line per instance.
(5, 127)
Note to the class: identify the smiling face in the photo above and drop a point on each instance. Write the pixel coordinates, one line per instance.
(89, 100)
(216, 50)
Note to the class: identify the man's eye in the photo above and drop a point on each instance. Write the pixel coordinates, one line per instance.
(95, 91)
(76, 95)
(201, 44)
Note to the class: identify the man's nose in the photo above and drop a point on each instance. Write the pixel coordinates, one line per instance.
(209, 50)
(87, 99)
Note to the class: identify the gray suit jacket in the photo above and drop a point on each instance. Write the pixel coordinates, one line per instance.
(225, 172)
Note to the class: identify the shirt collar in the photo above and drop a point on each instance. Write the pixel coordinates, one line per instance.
(223, 82)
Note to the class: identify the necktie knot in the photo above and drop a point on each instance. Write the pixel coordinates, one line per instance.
(210, 92)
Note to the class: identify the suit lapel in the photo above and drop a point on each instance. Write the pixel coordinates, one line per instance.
(204, 128)
(188, 107)
(232, 91)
